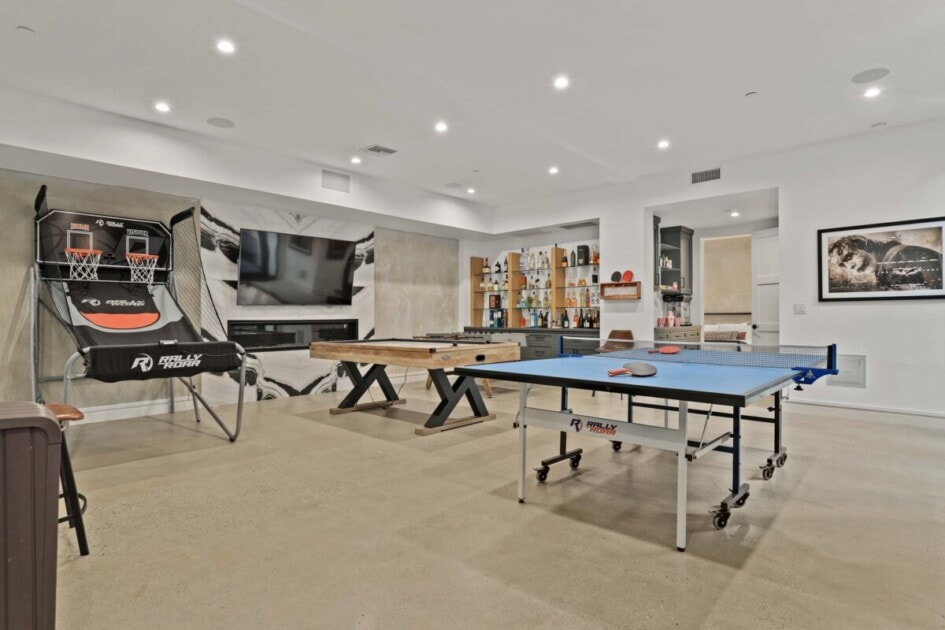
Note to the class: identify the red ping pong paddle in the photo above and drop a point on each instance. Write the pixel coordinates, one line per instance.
(664, 350)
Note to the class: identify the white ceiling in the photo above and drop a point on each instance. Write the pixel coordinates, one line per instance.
(320, 79)
(707, 213)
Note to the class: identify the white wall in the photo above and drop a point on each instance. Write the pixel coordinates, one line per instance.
(896, 173)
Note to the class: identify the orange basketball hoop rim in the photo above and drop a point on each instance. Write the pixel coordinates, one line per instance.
(142, 267)
(83, 263)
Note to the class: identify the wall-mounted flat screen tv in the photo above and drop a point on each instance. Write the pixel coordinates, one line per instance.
(278, 268)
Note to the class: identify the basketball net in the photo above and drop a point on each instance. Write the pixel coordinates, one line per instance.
(83, 263)
(142, 267)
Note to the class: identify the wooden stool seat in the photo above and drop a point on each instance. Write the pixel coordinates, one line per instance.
(75, 501)
(65, 413)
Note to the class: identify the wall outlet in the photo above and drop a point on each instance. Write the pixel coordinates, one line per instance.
(800, 309)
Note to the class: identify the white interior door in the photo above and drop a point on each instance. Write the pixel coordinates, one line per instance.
(765, 287)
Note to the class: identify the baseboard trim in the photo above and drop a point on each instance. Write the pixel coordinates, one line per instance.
(123, 411)
(867, 412)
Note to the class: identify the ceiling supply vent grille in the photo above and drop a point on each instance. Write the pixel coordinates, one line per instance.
(378, 151)
(706, 176)
(336, 181)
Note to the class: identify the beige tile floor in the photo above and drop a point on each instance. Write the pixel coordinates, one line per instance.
(319, 521)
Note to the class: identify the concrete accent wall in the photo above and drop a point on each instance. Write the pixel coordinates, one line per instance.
(727, 274)
(17, 194)
(416, 284)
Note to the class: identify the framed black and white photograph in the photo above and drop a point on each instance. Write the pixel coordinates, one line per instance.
(883, 261)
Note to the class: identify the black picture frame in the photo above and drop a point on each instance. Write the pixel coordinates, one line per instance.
(897, 260)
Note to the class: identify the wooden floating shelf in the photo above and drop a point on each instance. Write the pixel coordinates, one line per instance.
(620, 291)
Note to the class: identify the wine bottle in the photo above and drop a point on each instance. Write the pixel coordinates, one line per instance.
(587, 297)
(495, 284)
(485, 266)
(575, 322)
(573, 258)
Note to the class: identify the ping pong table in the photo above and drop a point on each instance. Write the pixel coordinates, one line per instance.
(726, 375)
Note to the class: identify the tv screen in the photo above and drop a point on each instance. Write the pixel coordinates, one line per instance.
(280, 268)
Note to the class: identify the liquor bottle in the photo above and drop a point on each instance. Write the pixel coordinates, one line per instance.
(482, 284)
(548, 282)
(573, 258)
(505, 264)
(534, 319)
(498, 267)
(531, 259)
(505, 283)
(522, 260)
(495, 284)
(564, 260)
(485, 266)
(587, 297)
(521, 321)
(575, 322)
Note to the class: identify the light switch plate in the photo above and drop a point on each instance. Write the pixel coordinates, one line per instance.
(800, 309)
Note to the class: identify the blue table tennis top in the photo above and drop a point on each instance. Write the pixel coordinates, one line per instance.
(697, 382)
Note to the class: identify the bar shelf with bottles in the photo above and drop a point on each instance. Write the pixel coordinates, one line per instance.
(581, 301)
(537, 288)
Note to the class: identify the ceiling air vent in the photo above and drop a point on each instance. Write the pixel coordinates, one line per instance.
(336, 181)
(378, 151)
(706, 176)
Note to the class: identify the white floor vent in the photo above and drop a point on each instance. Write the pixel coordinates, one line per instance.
(852, 371)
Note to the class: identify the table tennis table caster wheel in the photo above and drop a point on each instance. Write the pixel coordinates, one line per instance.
(616, 446)
(781, 459)
(542, 474)
(742, 500)
(767, 472)
(575, 462)
(720, 520)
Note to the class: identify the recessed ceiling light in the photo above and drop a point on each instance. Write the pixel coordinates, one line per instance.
(471, 191)
(355, 160)
(222, 123)
(662, 144)
(162, 106)
(870, 76)
(872, 92)
(734, 213)
(562, 82)
(226, 46)
(441, 127)
(25, 29)
(553, 170)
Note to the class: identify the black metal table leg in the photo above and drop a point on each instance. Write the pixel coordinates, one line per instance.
(375, 374)
(450, 395)
(573, 456)
(739, 491)
(71, 495)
